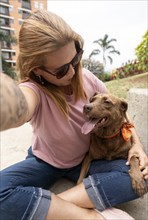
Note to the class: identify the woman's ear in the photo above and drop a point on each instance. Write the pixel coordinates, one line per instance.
(37, 71)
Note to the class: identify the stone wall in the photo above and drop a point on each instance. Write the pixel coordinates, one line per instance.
(138, 110)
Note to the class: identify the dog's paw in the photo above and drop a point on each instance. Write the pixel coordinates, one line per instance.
(138, 184)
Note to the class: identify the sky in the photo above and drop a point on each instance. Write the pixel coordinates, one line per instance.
(124, 20)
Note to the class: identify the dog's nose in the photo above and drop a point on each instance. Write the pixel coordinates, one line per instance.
(87, 108)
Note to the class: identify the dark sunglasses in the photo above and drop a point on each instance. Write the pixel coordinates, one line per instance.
(62, 71)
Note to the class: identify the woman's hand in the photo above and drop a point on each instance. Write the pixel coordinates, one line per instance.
(138, 151)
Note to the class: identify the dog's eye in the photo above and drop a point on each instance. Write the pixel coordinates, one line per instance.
(91, 99)
(107, 101)
(96, 93)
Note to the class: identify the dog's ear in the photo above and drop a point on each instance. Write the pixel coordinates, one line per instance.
(124, 105)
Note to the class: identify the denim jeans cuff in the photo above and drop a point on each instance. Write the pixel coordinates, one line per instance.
(93, 193)
(42, 205)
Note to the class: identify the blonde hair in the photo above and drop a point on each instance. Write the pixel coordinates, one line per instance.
(41, 33)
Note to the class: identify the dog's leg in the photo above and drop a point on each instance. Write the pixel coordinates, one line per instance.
(137, 177)
(84, 168)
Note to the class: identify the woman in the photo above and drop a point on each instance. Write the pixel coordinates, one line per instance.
(51, 96)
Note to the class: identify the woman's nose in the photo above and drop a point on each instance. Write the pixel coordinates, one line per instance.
(71, 70)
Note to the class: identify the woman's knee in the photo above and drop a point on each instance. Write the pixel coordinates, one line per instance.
(24, 203)
(108, 189)
(102, 166)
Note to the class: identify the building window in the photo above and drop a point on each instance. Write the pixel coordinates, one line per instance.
(19, 11)
(5, 1)
(4, 22)
(13, 64)
(11, 9)
(26, 4)
(12, 32)
(11, 21)
(5, 45)
(25, 14)
(6, 55)
(6, 32)
(4, 10)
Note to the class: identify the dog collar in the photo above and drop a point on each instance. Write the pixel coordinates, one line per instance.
(125, 131)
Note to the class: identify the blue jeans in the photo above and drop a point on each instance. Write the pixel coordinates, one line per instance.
(24, 193)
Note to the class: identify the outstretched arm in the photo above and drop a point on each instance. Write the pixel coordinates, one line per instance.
(13, 104)
(138, 151)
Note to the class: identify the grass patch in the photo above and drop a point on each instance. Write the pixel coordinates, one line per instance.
(120, 87)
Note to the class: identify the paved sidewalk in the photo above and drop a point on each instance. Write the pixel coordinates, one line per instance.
(14, 145)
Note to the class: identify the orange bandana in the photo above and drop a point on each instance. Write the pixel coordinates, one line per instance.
(126, 131)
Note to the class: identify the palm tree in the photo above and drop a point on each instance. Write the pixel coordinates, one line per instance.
(105, 46)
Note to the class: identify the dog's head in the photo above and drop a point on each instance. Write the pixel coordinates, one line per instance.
(104, 110)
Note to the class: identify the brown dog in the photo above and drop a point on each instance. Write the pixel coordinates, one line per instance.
(110, 136)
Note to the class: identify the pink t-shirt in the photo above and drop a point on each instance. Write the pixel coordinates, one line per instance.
(58, 140)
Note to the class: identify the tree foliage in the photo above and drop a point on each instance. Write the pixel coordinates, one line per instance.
(8, 69)
(5, 66)
(142, 52)
(94, 66)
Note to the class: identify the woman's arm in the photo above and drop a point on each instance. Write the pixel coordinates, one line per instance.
(13, 104)
(16, 107)
(138, 151)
